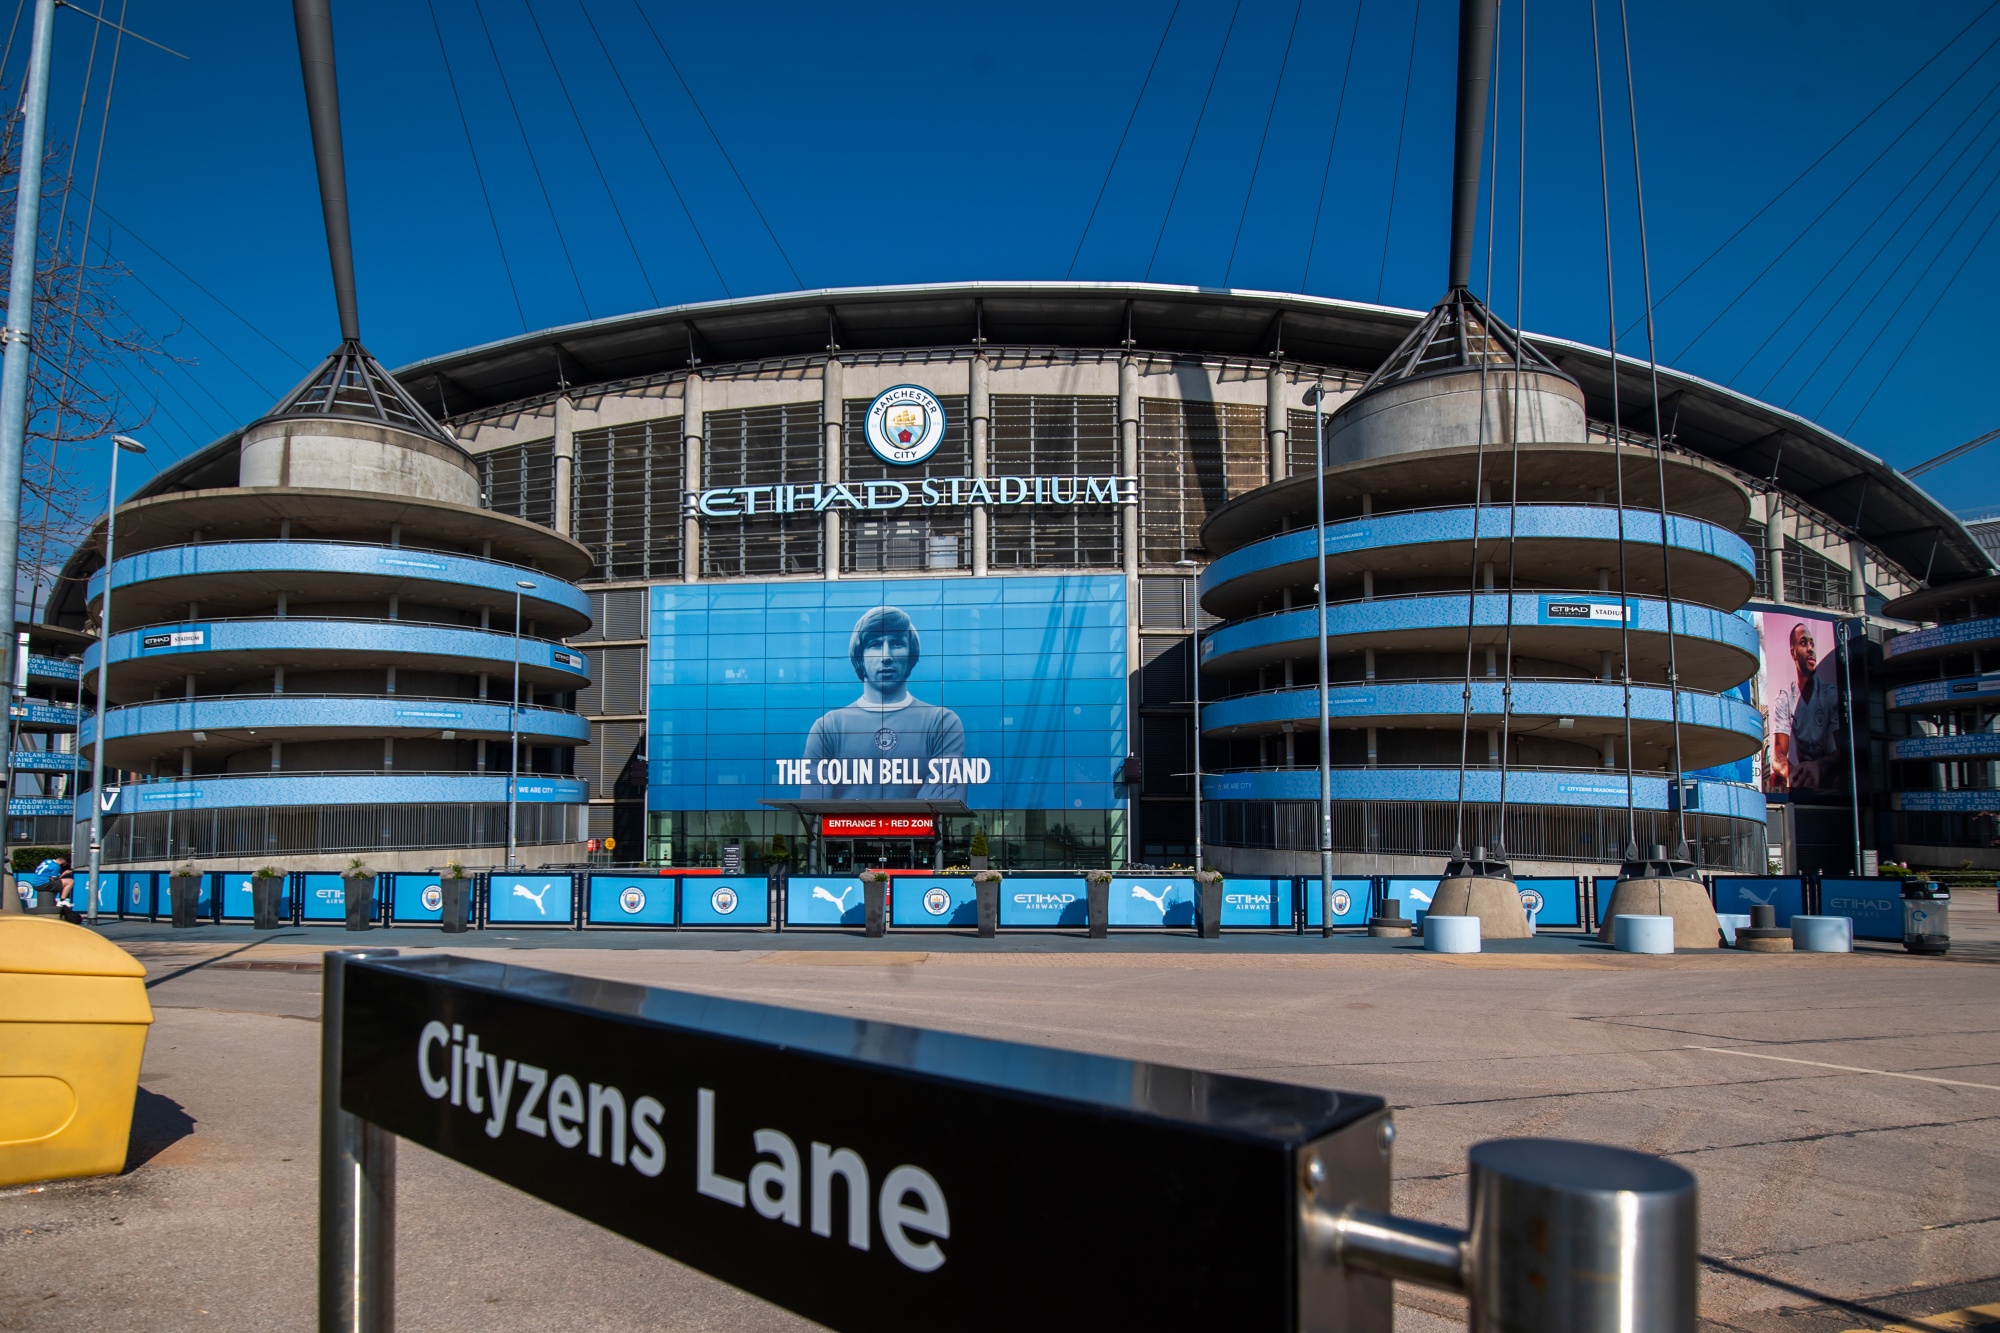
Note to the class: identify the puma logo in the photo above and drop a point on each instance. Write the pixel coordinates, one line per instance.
(1157, 900)
(522, 891)
(840, 902)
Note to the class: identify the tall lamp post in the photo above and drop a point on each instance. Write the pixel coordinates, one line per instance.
(514, 729)
(1194, 652)
(120, 444)
(1316, 396)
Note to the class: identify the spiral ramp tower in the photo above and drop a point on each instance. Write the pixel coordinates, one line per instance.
(320, 657)
(1945, 806)
(1407, 488)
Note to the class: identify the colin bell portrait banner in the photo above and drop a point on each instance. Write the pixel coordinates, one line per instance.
(1003, 693)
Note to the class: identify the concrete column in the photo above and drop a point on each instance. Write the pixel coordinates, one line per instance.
(1857, 575)
(979, 411)
(1128, 443)
(565, 461)
(1774, 545)
(1367, 663)
(1277, 419)
(1373, 754)
(277, 755)
(691, 437)
(832, 382)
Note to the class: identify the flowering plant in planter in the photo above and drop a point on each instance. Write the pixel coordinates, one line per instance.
(357, 869)
(268, 872)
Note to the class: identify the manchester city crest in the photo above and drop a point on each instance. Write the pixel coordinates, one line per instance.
(632, 900)
(905, 425)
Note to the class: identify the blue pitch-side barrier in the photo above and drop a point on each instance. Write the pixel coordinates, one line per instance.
(1874, 905)
(1739, 893)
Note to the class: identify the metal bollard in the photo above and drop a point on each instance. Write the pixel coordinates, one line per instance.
(357, 1185)
(1576, 1237)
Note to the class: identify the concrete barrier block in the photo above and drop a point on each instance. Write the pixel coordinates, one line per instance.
(1731, 922)
(1642, 934)
(1822, 934)
(1451, 934)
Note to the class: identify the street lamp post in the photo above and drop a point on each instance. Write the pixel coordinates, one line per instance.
(120, 444)
(514, 730)
(1316, 396)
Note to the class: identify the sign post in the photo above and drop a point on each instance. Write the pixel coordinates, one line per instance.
(877, 1177)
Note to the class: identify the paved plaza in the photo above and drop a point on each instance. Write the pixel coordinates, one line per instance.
(1839, 1110)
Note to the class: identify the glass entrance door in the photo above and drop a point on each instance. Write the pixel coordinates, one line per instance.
(851, 856)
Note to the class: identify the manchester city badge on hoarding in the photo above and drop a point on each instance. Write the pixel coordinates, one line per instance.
(905, 425)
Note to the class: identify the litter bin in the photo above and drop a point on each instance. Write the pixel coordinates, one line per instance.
(73, 1018)
(1926, 917)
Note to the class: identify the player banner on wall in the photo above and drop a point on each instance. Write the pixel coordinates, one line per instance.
(1003, 693)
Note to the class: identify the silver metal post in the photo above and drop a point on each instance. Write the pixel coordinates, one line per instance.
(1318, 395)
(20, 308)
(1573, 1236)
(514, 731)
(1842, 628)
(357, 1185)
(119, 444)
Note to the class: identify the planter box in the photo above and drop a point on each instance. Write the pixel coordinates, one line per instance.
(455, 912)
(987, 895)
(359, 901)
(184, 892)
(267, 897)
(1099, 903)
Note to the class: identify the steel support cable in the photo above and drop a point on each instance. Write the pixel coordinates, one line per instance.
(76, 135)
(658, 156)
(1811, 166)
(189, 279)
(1257, 163)
(1862, 235)
(1908, 254)
(1514, 427)
(1942, 293)
(478, 171)
(1479, 455)
(591, 150)
(730, 162)
(1402, 127)
(1116, 152)
(1847, 189)
(7, 57)
(535, 166)
(1326, 171)
(1617, 436)
(1221, 52)
(197, 331)
(1659, 435)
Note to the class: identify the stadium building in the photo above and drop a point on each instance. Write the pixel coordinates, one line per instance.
(1057, 485)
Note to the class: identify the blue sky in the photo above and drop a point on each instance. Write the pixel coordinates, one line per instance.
(890, 143)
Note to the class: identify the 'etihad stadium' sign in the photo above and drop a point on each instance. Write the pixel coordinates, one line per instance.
(930, 492)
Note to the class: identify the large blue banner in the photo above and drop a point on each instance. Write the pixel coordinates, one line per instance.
(1353, 899)
(1006, 693)
(824, 900)
(415, 897)
(1150, 901)
(1739, 893)
(1413, 893)
(1550, 900)
(1043, 901)
(1251, 904)
(629, 898)
(529, 900)
(322, 896)
(725, 900)
(1874, 905)
(924, 900)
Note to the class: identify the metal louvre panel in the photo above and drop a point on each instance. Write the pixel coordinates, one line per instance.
(1164, 601)
(1193, 456)
(612, 745)
(602, 818)
(626, 498)
(620, 680)
(520, 481)
(916, 538)
(1299, 442)
(617, 613)
(762, 446)
(1062, 436)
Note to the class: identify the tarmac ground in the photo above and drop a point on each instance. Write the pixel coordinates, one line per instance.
(1838, 1110)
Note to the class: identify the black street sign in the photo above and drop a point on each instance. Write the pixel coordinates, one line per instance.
(867, 1175)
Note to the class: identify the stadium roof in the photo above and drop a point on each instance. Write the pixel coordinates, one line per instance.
(1857, 490)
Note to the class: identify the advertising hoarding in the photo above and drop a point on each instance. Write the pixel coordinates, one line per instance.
(629, 899)
(1003, 693)
(529, 900)
(1805, 722)
(933, 901)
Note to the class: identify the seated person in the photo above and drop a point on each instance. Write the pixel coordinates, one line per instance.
(53, 873)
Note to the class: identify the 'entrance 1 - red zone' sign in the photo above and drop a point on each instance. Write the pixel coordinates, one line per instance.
(878, 826)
